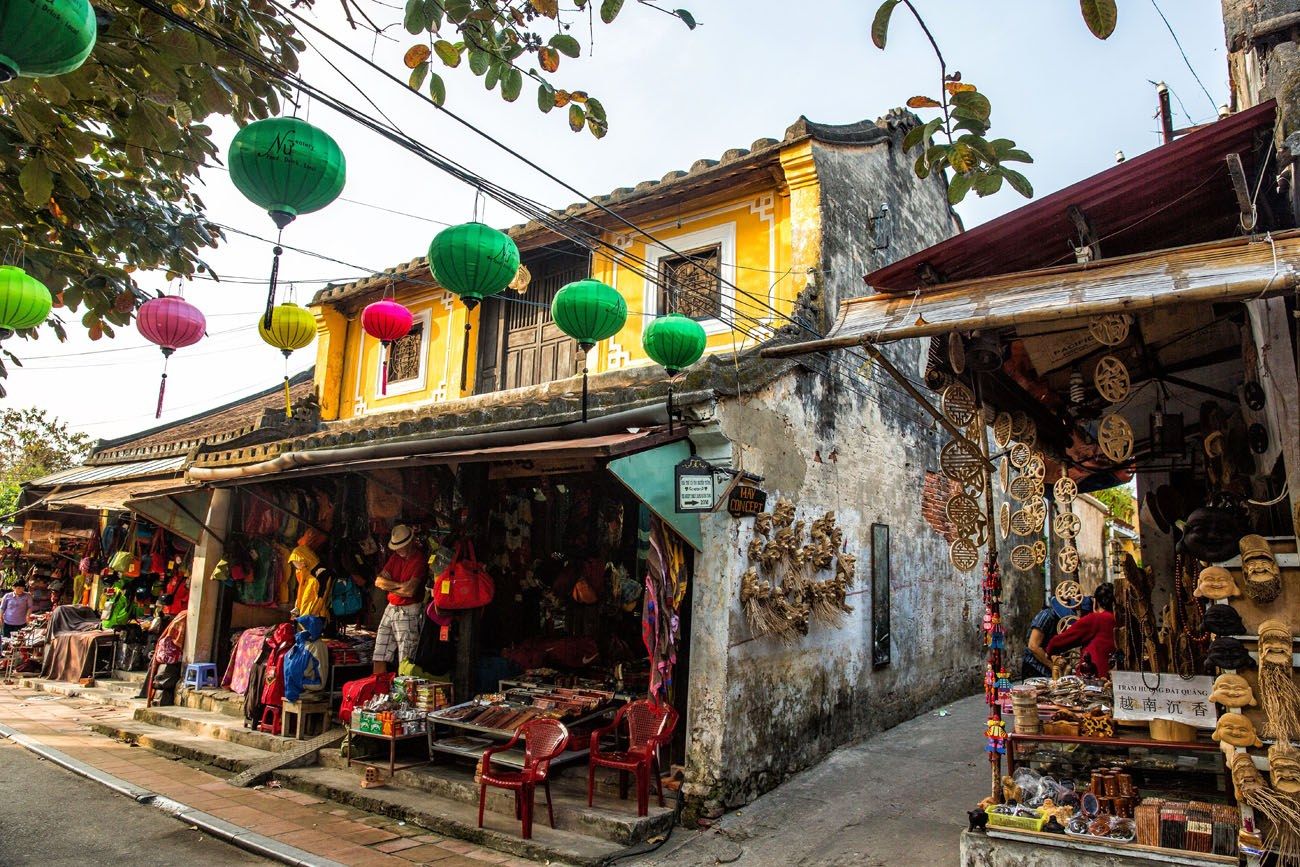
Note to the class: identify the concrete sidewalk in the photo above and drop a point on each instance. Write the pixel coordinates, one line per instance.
(898, 798)
(325, 831)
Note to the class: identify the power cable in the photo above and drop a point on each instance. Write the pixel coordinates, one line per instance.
(1170, 27)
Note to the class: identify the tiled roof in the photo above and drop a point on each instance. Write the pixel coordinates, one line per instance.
(758, 153)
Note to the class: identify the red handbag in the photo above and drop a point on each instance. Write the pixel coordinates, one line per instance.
(465, 583)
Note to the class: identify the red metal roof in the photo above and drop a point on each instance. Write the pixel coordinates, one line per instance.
(1174, 195)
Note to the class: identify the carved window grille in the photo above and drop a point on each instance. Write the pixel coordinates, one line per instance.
(691, 284)
(404, 356)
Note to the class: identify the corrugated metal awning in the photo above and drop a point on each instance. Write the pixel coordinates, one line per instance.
(112, 497)
(106, 473)
(1222, 271)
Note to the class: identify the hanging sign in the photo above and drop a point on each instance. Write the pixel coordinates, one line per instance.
(694, 485)
(746, 500)
(1140, 696)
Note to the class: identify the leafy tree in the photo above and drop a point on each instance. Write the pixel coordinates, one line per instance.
(977, 163)
(32, 445)
(98, 164)
(1120, 502)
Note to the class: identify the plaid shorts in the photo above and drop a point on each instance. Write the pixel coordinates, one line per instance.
(399, 632)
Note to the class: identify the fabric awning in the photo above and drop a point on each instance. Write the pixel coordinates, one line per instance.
(179, 511)
(110, 497)
(1232, 270)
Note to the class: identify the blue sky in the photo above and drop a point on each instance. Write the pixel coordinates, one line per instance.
(673, 96)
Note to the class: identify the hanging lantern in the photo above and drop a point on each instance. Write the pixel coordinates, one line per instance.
(288, 167)
(675, 342)
(173, 323)
(473, 261)
(386, 321)
(24, 300)
(291, 328)
(44, 37)
(588, 311)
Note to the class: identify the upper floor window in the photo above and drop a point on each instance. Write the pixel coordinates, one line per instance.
(404, 356)
(691, 284)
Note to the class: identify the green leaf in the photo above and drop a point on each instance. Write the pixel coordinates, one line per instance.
(494, 74)
(565, 44)
(1100, 16)
(687, 18)
(987, 183)
(437, 88)
(922, 167)
(972, 103)
(545, 97)
(609, 10)
(415, 18)
(1018, 182)
(958, 187)
(36, 181)
(962, 157)
(433, 15)
(512, 83)
(1015, 155)
(449, 54)
(880, 24)
(421, 72)
(457, 10)
(921, 134)
(595, 109)
(577, 117)
(479, 61)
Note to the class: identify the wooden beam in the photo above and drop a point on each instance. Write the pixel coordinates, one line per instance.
(1271, 327)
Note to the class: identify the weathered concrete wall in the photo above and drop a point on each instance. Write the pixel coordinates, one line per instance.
(1091, 542)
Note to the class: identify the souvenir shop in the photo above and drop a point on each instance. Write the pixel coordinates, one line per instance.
(536, 604)
(1161, 719)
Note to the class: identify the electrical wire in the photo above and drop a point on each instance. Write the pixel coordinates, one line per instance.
(1190, 68)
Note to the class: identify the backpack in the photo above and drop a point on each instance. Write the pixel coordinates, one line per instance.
(346, 598)
(358, 692)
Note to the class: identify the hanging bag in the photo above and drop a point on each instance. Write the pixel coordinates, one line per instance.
(465, 583)
(126, 562)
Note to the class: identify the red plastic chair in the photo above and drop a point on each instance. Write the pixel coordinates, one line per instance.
(649, 726)
(544, 740)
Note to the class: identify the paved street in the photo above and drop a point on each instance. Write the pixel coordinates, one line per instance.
(51, 817)
(898, 798)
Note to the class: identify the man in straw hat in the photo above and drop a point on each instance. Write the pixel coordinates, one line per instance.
(403, 577)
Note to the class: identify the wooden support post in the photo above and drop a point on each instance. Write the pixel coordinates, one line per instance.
(1271, 327)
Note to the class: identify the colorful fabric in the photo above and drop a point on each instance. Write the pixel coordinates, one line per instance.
(399, 632)
(242, 659)
(171, 643)
(665, 585)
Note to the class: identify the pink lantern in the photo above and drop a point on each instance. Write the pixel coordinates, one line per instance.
(386, 321)
(173, 323)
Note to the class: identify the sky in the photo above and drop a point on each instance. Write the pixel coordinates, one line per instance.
(673, 96)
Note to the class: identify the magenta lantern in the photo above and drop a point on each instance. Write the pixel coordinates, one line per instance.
(386, 321)
(173, 323)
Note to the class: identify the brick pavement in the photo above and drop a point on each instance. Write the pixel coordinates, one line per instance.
(333, 831)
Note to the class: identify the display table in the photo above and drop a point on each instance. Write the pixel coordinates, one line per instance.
(1000, 846)
(392, 746)
(1194, 768)
(468, 741)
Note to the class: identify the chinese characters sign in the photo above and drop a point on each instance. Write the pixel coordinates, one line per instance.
(1141, 696)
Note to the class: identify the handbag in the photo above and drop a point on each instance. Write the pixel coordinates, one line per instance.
(465, 583)
(126, 562)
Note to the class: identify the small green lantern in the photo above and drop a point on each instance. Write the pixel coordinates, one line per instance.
(287, 166)
(588, 311)
(39, 38)
(473, 261)
(24, 300)
(674, 341)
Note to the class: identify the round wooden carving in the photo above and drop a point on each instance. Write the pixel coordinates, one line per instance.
(1022, 557)
(1004, 473)
(1109, 330)
(963, 554)
(958, 404)
(1022, 522)
(956, 353)
(1068, 559)
(1115, 437)
(965, 516)
(1069, 593)
(1065, 490)
(1022, 488)
(1004, 520)
(961, 463)
(1036, 468)
(1020, 455)
(1040, 550)
(1111, 378)
(1029, 434)
(1002, 429)
(1066, 622)
(1067, 525)
(1019, 420)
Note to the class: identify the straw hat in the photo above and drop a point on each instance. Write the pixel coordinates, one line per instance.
(402, 536)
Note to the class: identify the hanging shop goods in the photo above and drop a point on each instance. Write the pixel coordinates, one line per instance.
(45, 37)
(173, 323)
(288, 167)
(588, 311)
(24, 300)
(290, 328)
(386, 321)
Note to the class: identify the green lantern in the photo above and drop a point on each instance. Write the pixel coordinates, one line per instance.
(287, 166)
(674, 341)
(24, 300)
(44, 37)
(473, 261)
(589, 311)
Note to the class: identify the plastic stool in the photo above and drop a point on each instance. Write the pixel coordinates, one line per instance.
(200, 674)
(270, 722)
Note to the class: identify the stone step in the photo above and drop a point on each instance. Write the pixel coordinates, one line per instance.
(454, 818)
(131, 676)
(214, 725)
(107, 692)
(610, 818)
(217, 700)
(222, 754)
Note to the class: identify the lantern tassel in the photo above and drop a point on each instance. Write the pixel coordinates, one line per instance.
(670, 406)
(464, 357)
(162, 385)
(584, 394)
(383, 379)
(270, 292)
(288, 405)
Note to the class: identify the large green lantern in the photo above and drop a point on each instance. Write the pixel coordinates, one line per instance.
(674, 341)
(588, 311)
(24, 300)
(44, 37)
(473, 261)
(288, 167)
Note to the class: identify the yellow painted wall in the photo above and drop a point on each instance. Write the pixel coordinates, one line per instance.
(770, 242)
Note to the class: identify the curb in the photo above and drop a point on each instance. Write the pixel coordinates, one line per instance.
(210, 824)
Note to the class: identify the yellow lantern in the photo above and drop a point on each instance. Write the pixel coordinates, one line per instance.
(291, 328)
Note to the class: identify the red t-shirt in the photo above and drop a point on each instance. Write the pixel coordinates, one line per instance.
(409, 570)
